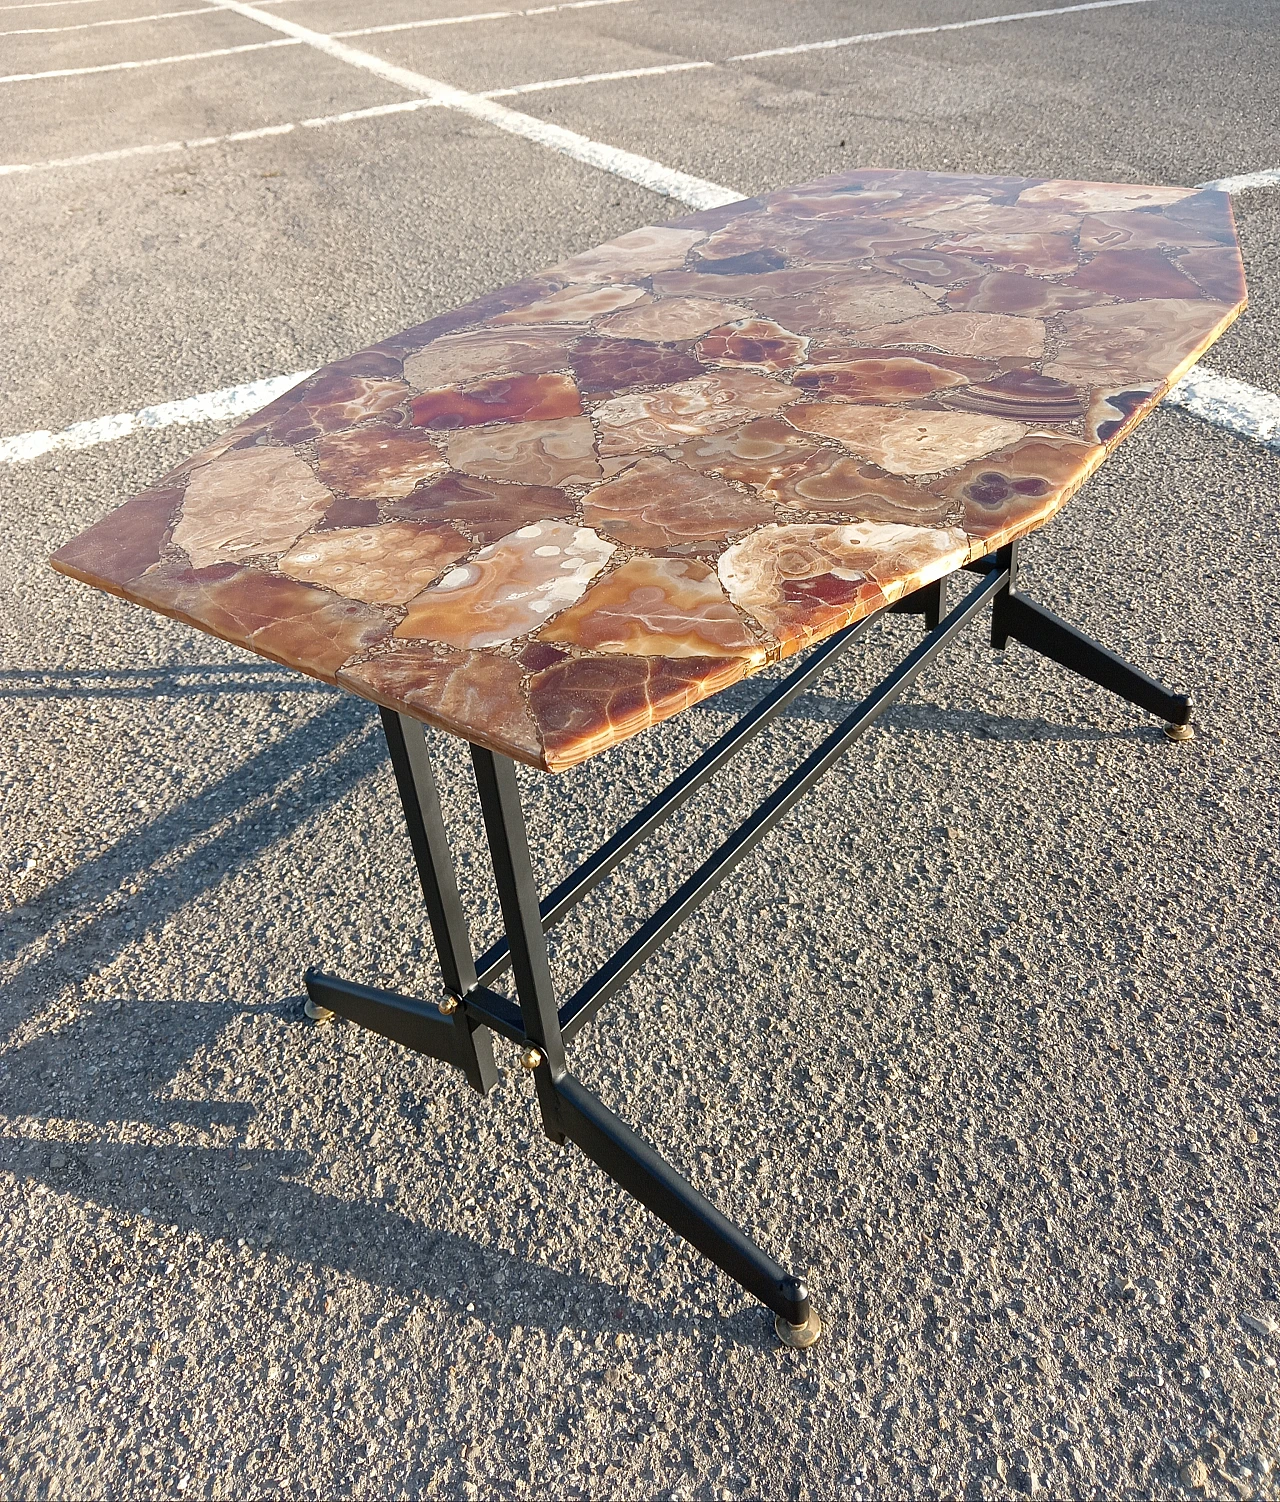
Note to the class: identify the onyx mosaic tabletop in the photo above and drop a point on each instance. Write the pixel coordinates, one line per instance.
(570, 509)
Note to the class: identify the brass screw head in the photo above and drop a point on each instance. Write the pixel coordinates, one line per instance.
(447, 1004)
(530, 1058)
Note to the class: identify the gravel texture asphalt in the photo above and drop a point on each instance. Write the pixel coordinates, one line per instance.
(985, 1037)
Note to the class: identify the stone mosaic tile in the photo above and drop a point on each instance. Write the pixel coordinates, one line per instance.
(548, 519)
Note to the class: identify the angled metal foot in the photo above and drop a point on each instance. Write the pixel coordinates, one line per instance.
(441, 1032)
(1012, 614)
(632, 1163)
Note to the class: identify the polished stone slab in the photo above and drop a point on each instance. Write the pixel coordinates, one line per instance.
(579, 504)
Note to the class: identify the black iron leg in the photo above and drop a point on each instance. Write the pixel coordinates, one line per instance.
(518, 897)
(929, 601)
(570, 1110)
(1012, 614)
(445, 1031)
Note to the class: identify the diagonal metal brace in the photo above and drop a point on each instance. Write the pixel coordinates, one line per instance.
(1044, 632)
(455, 1038)
(633, 1164)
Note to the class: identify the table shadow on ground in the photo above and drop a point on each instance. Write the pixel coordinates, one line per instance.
(233, 1193)
(336, 748)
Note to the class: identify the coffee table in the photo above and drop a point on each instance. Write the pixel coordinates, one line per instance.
(558, 515)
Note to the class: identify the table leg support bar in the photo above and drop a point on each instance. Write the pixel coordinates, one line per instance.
(1052, 637)
(458, 1029)
(634, 1165)
(454, 1038)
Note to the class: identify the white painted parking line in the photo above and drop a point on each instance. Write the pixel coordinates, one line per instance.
(164, 148)
(212, 406)
(149, 62)
(581, 78)
(162, 15)
(48, 4)
(364, 31)
(696, 192)
(59, 4)
(1227, 403)
(917, 31)
(488, 15)
(1245, 181)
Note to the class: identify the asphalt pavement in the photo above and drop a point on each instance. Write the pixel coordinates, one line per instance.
(985, 1037)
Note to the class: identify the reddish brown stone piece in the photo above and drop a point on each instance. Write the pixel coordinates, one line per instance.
(565, 512)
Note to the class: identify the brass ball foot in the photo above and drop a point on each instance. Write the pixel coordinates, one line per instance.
(317, 1013)
(798, 1337)
(1179, 732)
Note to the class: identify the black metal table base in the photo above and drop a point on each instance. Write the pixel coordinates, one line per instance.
(457, 1027)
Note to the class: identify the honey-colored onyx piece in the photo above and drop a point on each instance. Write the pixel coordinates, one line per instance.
(328, 403)
(1023, 396)
(1005, 495)
(483, 510)
(606, 366)
(980, 334)
(673, 319)
(576, 304)
(121, 546)
(633, 255)
(539, 453)
(851, 303)
(384, 565)
(1132, 274)
(847, 351)
(509, 588)
(1095, 198)
(1220, 272)
(456, 358)
(248, 502)
(802, 582)
(664, 418)
(1113, 411)
(473, 694)
(657, 607)
(658, 504)
(377, 459)
(283, 619)
(910, 441)
(834, 485)
(590, 703)
(936, 267)
(1135, 341)
(314, 390)
(1040, 255)
(896, 378)
(1024, 296)
(757, 453)
(756, 342)
(521, 398)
